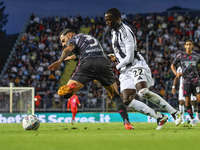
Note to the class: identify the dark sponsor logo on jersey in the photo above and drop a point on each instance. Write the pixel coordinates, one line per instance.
(190, 63)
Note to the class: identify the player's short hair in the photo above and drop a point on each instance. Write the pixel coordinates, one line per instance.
(114, 11)
(65, 31)
(189, 41)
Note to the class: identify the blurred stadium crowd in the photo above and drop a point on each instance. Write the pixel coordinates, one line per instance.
(40, 46)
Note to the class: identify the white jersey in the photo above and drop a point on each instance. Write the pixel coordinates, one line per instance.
(125, 47)
(131, 64)
(181, 97)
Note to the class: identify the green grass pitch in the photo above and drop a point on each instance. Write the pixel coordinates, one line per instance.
(99, 136)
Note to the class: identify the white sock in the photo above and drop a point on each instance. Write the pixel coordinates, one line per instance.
(144, 109)
(182, 110)
(159, 101)
(192, 108)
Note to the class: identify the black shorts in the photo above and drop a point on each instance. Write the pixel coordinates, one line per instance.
(191, 87)
(97, 68)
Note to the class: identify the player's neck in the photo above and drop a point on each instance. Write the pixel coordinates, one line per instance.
(118, 25)
(188, 52)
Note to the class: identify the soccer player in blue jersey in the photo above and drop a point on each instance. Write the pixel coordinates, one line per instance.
(93, 65)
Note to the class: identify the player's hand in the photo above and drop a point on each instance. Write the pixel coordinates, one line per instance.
(55, 65)
(112, 57)
(68, 58)
(79, 105)
(173, 91)
(68, 109)
(179, 75)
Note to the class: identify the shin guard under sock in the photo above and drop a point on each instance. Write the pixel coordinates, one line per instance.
(121, 108)
(189, 110)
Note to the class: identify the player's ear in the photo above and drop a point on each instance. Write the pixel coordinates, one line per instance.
(118, 19)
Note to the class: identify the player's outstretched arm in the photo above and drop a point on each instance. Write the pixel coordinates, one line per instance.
(65, 53)
(70, 57)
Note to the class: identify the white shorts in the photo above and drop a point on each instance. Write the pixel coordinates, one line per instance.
(181, 97)
(129, 78)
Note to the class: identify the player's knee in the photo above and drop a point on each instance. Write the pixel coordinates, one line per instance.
(181, 102)
(144, 93)
(119, 103)
(127, 100)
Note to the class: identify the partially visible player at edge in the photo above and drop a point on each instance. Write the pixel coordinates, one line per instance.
(189, 61)
(135, 74)
(181, 98)
(93, 64)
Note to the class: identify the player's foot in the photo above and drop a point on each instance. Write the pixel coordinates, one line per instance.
(66, 89)
(72, 122)
(198, 116)
(161, 121)
(183, 121)
(128, 126)
(193, 122)
(177, 117)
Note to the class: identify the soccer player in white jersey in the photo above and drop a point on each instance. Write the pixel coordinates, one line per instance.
(181, 98)
(135, 74)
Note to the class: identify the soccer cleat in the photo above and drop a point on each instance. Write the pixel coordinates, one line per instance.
(183, 118)
(177, 118)
(198, 116)
(193, 122)
(72, 122)
(161, 122)
(66, 89)
(183, 121)
(129, 126)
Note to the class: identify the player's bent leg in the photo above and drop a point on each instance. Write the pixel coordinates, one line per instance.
(112, 90)
(70, 89)
(159, 101)
(144, 109)
(121, 108)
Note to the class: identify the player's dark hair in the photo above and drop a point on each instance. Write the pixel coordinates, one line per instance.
(189, 41)
(65, 31)
(114, 11)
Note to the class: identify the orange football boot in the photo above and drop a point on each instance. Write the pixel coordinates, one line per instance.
(129, 126)
(66, 89)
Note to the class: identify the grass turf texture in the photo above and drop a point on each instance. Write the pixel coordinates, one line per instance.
(99, 136)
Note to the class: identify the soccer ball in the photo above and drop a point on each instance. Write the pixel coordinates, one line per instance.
(30, 122)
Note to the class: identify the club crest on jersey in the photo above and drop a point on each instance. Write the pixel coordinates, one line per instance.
(190, 57)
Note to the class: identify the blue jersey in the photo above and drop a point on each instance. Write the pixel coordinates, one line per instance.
(86, 46)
